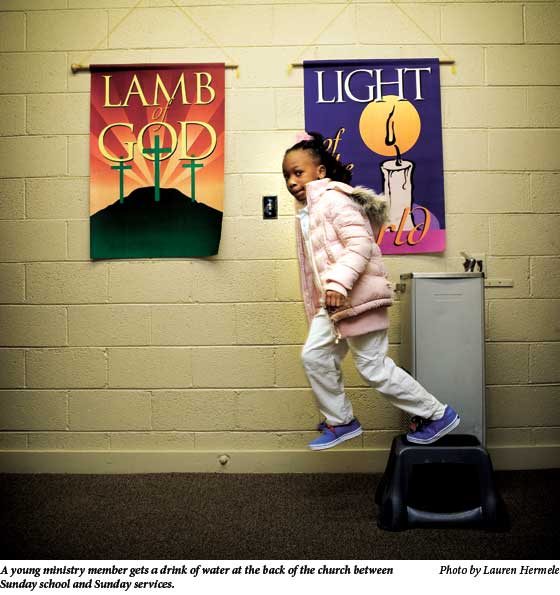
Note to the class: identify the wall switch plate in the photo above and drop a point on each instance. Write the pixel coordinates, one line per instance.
(270, 207)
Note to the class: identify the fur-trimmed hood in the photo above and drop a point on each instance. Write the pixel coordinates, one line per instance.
(375, 206)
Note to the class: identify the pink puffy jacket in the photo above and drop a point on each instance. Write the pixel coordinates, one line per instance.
(346, 256)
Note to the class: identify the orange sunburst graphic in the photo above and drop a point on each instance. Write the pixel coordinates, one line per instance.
(179, 109)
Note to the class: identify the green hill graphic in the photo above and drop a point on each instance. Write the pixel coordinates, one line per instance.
(140, 227)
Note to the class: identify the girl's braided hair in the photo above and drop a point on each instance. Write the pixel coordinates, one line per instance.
(336, 171)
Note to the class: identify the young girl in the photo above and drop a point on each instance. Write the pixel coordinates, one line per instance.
(346, 296)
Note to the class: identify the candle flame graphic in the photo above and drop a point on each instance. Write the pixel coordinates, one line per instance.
(390, 138)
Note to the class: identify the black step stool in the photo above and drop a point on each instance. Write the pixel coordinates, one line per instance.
(409, 494)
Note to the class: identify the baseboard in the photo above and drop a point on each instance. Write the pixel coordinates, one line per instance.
(285, 461)
(510, 458)
(280, 461)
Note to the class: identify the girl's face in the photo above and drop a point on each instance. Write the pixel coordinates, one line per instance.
(299, 168)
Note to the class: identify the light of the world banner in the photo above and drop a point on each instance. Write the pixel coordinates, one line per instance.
(156, 160)
(383, 119)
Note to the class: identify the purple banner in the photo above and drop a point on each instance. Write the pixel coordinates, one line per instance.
(383, 119)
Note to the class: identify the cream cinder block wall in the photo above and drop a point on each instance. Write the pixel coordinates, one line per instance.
(193, 365)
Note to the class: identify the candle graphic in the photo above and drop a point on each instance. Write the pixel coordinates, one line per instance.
(381, 125)
(397, 179)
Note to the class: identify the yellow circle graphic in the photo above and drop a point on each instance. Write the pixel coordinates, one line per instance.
(405, 121)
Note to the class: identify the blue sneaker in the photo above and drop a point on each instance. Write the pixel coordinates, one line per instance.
(426, 431)
(321, 425)
(333, 435)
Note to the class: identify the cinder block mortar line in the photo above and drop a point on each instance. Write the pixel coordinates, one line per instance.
(236, 422)
(67, 70)
(67, 155)
(24, 284)
(526, 299)
(108, 27)
(157, 304)
(527, 385)
(236, 323)
(25, 368)
(67, 92)
(531, 276)
(155, 261)
(276, 46)
(106, 359)
(529, 352)
(151, 420)
(532, 436)
(524, 22)
(67, 403)
(275, 367)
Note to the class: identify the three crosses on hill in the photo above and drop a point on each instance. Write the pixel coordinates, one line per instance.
(157, 151)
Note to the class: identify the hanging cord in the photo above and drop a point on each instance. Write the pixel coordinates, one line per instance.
(450, 60)
(306, 47)
(80, 66)
(76, 67)
(434, 42)
(203, 31)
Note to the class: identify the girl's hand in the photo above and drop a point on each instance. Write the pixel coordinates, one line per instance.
(333, 299)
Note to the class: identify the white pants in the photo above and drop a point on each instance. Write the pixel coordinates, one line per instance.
(322, 358)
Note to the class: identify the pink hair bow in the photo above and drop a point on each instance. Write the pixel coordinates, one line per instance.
(301, 136)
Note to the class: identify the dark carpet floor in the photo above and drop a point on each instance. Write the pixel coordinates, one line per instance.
(251, 517)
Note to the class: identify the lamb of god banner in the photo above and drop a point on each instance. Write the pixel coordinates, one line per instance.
(383, 119)
(156, 160)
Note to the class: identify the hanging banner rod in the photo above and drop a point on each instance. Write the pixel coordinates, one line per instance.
(88, 68)
(300, 64)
